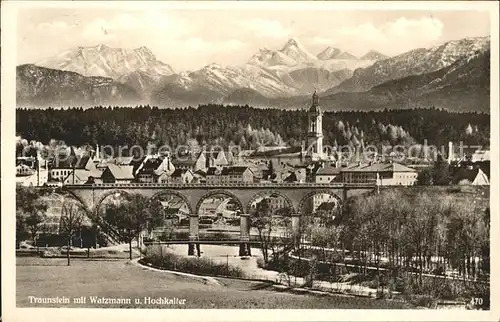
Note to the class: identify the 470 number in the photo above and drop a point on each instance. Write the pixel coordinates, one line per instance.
(476, 301)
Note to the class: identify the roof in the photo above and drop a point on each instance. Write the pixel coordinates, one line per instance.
(212, 153)
(82, 175)
(179, 172)
(292, 177)
(212, 171)
(234, 170)
(172, 204)
(121, 172)
(328, 170)
(150, 165)
(124, 160)
(277, 152)
(187, 161)
(378, 167)
(69, 162)
(200, 173)
(27, 161)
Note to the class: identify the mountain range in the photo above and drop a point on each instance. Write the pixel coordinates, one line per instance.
(39, 86)
(453, 75)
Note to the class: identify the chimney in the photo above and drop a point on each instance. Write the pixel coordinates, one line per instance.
(450, 152)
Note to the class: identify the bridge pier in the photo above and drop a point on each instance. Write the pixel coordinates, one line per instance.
(245, 235)
(296, 230)
(193, 235)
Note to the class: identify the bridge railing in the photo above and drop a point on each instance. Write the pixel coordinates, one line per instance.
(225, 185)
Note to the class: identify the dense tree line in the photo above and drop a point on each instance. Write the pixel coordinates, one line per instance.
(411, 229)
(247, 126)
(393, 239)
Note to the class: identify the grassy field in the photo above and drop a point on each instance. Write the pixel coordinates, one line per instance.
(46, 278)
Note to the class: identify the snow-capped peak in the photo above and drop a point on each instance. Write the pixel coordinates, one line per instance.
(329, 53)
(102, 60)
(296, 51)
(292, 42)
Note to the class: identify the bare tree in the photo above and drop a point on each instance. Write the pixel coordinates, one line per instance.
(132, 217)
(261, 220)
(72, 218)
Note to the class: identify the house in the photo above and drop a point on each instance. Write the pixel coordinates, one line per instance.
(237, 174)
(231, 174)
(34, 179)
(213, 175)
(327, 174)
(318, 202)
(81, 176)
(60, 167)
(23, 170)
(384, 174)
(186, 162)
(281, 156)
(209, 206)
(151, 168)
(174, 211)
(207, 159)
(118, 174)
(182, 176)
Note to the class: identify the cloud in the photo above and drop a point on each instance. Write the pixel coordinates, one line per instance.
(123, 25)
(52, 26)
(322, 41)
(196, 45)
(392, 37)
(267, 28)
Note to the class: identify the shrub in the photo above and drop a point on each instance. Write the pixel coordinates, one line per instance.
(51, 253)
(423, 301)
(203, 266)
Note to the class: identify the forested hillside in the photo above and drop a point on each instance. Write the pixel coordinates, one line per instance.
(246, 126)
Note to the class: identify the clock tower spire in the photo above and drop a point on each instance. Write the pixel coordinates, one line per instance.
(315, 129)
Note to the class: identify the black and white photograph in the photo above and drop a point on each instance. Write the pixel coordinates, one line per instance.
(250, 155)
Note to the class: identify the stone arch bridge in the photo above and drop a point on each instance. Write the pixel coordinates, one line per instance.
(295, 194)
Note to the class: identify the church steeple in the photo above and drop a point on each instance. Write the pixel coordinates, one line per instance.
(315, 131)
(315, 103)
(315, 99)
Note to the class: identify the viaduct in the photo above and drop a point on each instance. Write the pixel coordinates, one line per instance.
(296, 195)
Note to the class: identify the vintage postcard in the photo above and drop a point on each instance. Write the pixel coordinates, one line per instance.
(250, 161)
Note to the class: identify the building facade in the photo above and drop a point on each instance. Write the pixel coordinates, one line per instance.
(383, 174)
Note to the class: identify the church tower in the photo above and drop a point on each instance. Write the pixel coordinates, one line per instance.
(315, 132)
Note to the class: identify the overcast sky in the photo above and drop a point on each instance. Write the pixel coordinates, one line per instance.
(188, 40)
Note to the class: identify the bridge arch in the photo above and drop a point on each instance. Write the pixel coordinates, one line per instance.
(264, 194)
(311, 194)
(87, 208)
(106, 195)
(215, 193)
(174, 193)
